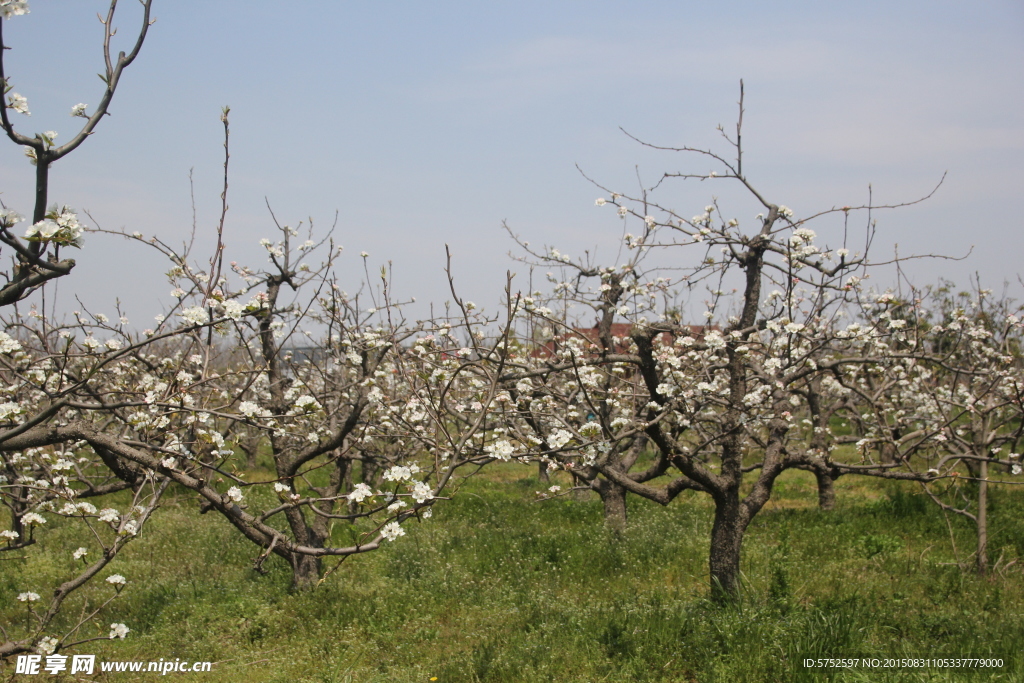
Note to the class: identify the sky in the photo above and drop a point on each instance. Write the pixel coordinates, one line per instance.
(423, 124)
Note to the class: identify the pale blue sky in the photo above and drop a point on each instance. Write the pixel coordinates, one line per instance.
(426, 123)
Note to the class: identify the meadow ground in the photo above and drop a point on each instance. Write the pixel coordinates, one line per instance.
(500, 587)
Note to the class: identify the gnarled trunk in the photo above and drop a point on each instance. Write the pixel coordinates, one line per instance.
(305, 572)
(305, 568)
(726, 541)
(613, 496)
(826, 491)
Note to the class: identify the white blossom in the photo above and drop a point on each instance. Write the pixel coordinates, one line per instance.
(398, 473)
(60, 226)
(422, 492)
(8, 217)
(559, 438)
(233, 309)
(8, 409)
(17, 102)
(195, 315)
(392, 530)
(502, 450)
(714, 340)
(307, 403)
(109, 515)
(47, 645)
(13, 8)
(30, 518)
(360, 493)
(249, 409)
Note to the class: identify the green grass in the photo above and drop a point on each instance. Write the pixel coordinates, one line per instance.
(497, 587)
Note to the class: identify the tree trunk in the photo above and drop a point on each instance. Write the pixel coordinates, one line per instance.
(542, 472)
(826, 491)
(305, 572)
(982, 520)
(726, 540)
(305, 568)
(614, 498)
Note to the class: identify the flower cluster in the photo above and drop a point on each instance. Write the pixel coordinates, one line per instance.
(60, 227)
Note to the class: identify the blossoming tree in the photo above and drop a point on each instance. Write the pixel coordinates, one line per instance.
(53, 227)
(727, 410)
(93, 408)
(394, 397)
(957, 405)
(45, 372)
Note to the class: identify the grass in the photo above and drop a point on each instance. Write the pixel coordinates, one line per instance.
(497, 587)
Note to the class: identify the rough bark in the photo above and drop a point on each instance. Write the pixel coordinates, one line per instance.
(826, 491)
(305, 572)
(726, 541)
(305, 568)
(613, 497)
